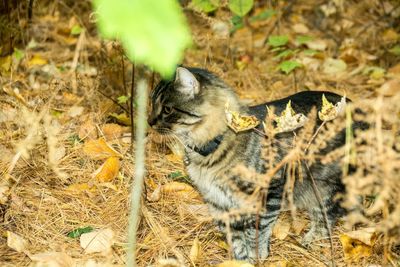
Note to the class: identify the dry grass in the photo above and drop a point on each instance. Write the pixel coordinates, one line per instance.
(42, 210)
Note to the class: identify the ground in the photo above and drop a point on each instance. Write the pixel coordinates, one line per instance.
(61, 89)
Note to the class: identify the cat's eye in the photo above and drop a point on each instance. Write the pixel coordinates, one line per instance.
(167, 110)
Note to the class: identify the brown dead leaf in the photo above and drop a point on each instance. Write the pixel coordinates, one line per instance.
(298, 226)
(390, 88)
(87, 130)
(75, 111)
(238, 122)
(16, 242)
(390, 36)
(181, 189)
(112, 131)
(108, 171)
(155, 195)
(52, 259)
(97, 241)
(78, 188)
(99, 149)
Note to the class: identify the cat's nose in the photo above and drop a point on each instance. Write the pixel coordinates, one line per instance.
(151, 121)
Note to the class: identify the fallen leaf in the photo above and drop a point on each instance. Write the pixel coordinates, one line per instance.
(298, 226)
(5, 63)
(75, 111)
(300, 28)
(16, 242)
(113, 131)
(289, 120)
(155, 195)
(52, 259)
(77, 188)
(329, 111)
(390, 36)
(358, 244)
(121, 118)
(97, 241)
(170, 262)
(195, 251)
(238, 122)
(87, 130)
(280, 263)
(108, 171)
(182, 190)
(174, 158)
(390, 88)
(281, 229)
(235, 264)
(99, 149)
(79, 231)
(333, 66)
(36, 60)
(319, 45)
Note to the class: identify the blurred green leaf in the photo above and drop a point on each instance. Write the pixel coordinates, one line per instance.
(277, 40)
(237, 23)
(123, 99)
(76, 30)
(310, 52)
(152, 32)
(288, 66)
(78, 232)
(395, 50)
(286, 53)
(303, 39)
(18, 54)
(206, 5)
(240, 7)
(266, 14)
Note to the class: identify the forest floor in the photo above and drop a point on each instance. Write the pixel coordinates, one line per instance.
(63, 88)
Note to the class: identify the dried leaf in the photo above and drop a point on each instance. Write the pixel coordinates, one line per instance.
(319, 45)
(289, 120)
(298, 225)
(99, 149)
(329, 111)
(235, 264)
(113, 131)
(358, 244)
(121, 118)
(75, 111)
(36, 60)
(108, 171)
(390, 88)
(78, 188)
(195, 250)
(52, 259)
(87, 130)
(176, 187)
(333, 66)
(155, 195)
(238, 122)
(281, 229)
(97, 241)
(16, 242)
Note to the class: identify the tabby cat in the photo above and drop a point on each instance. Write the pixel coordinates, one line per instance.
(191, 107)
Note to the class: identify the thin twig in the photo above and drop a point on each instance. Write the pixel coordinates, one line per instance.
(137, 187)
(114, 101)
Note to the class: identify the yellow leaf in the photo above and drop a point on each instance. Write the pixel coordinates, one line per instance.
(77, 188)
(16, 242)
(36, 60)
(329, 111)
(223, 244)
(358, 244)
(281, 229)
(195, 250)
(174, 158)
(121, 118)
(235, 264)
(390, 36)
(97, 241)
(108, 171)
(155, 195)
(5, 63)
(99, 149)
(181, 189)
(113, 131)
(238, 122)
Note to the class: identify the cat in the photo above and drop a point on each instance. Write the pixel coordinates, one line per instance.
(191, 107)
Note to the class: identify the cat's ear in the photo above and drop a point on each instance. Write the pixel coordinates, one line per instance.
(186, 83)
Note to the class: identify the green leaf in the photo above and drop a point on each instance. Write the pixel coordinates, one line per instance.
(395, 50)
(285, 53)
(179, 177)
(266, 14)
(76, 30)
(78, 232)
(18, 54)
(240, 7)
(277, 40)
(237, 23)
(152, 32)
(205, 5)
(310, 52)
(303, 39)
(288, 66)
(123, 99)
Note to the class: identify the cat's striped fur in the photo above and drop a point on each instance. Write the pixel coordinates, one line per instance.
(191, 107)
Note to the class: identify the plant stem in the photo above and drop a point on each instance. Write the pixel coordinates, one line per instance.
(137, 187)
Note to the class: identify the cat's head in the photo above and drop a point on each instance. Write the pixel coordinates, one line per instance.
(191, 105)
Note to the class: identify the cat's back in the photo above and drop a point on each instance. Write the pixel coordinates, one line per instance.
(301, 102)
